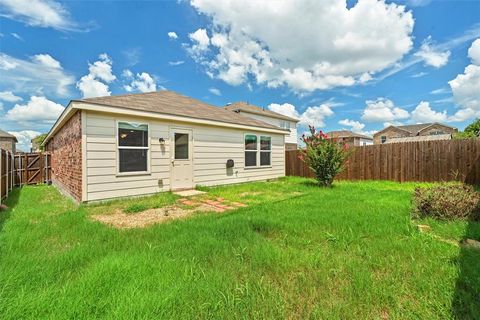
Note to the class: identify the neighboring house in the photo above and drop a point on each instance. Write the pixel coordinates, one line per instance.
(417, 132)
(8, 141)
(270, 117)
(138, 144)
(350, 138)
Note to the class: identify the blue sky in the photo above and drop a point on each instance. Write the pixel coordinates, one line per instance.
(334, 64)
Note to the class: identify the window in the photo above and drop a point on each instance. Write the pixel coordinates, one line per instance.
(285, 124)
(181, 146)
(257, 153)
(250, 150)
(132, 147)
(384, 138)
(265, 150)
(434, 133)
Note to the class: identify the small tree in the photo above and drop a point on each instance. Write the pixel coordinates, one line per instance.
(471, 131)
(324, 156)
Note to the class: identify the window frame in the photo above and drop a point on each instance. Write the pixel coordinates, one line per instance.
(284, 124)
(118, 147)
(258, 151)
(245, 150)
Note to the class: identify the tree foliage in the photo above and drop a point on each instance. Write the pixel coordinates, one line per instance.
(471, 131)
(324, 156)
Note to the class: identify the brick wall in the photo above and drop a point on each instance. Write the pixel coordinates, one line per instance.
(390, 133)
(66, 149)
(7, 144)
(437, 128)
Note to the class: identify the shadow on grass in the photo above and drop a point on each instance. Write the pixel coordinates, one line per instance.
(10, 202)
(466, 300)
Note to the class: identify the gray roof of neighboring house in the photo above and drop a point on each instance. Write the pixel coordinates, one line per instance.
(414, 129)
(4, 134)
(246, 107)
(420, 138)
(172, 103)
(347, 134)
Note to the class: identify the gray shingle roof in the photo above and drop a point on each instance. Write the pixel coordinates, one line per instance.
(172, 103)
(244, 106)
(346, 134)
(4, 134)
(420, 138)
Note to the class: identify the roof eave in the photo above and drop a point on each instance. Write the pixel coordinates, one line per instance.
(84, 105)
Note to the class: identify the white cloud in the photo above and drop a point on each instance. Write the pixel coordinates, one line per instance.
(91, 87)
(132, 56)
(102, 68)
(24, 138)
(95, 83)
(215, 91)
(201, 40)
(474, 52)
(39, 13)
(141, 82)
(419, 74)
(383, 110)
(315, 116)
(278, 43)
(466, 87)
(423, 113)
(176, 63)
(41, 75)
(431, 55)
(440, 91)
(172, 35)
(9, 96)
(17, 36)
(286, 109)
(464, 114)
(356, 126)
(37, 109)
(47, 60)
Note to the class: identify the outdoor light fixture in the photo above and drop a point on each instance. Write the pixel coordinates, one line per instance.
(162, 141)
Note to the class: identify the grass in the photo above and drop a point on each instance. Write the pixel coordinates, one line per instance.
(297, 251)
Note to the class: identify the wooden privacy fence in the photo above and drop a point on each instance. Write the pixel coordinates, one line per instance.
(32, 168)
(6, 173)
(21, 169)
(412, 161)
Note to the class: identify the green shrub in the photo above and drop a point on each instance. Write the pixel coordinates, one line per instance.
(446, 202)
(324, 156)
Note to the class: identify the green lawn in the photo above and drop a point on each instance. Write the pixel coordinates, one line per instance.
(297, 252)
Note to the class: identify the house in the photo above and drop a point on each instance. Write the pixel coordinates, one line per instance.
(270, 117)
(139, 144)
(350, 138)
(415, 132)
(8, 141)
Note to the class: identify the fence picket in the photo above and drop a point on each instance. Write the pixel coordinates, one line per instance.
(411, 161)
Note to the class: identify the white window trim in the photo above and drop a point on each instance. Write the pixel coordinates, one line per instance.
(257, 151)
(264, 151)
(118, 147)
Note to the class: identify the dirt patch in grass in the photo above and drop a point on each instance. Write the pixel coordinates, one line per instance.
(127, 219)
(142, 219)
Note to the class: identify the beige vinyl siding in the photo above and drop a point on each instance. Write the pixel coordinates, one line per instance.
(291, 138)
(212, 147)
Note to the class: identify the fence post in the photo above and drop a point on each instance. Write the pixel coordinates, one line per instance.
(1, 175)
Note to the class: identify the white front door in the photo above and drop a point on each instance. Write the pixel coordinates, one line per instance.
(182, 158)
